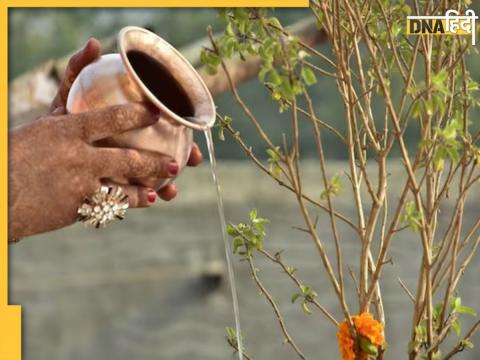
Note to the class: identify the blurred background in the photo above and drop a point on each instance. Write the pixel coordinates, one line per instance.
(154, 286)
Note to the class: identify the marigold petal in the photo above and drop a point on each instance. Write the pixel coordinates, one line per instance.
(367, 327)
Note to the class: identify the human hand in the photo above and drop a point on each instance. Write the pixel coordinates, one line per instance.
(54, 166)
(88, 54)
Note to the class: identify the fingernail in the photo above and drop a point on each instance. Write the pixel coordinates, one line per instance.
(151, 196)
(172, 168)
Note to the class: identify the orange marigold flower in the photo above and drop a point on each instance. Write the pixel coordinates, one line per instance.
(367, 327)
(345, 342)
(370, 328)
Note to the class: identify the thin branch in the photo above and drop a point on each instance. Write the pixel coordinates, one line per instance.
(277, 260)
(276, 310)
(461, 344)
(407, 291)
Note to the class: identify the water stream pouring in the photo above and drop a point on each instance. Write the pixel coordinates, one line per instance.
(149, 69)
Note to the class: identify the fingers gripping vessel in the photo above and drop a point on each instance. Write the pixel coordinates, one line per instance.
(147, 69)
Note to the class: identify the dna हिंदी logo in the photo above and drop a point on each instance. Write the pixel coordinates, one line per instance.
(453, 23)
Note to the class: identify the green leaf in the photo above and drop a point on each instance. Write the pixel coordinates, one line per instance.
(229, 30)
(228, 46)
(429, 107)
(211, 70)
(455, 302)
(291, 270)
(297, 87)
(227, 120)
(439, 104)
(295, 297)
(248, 237)
(440, 78)
(396, 29)
(273, 161)
(308, 76)
(231, 230)
(438, 163)
(260, 227)
(223, 13)
(231, 336)
(417, 109)
(466, 343)
(367, 347)
(411, 216)
(437, 310)
(230, 331)
(420, 332)
(263, 72)
(275, 77)
(302, 54)
(241, 15)
(305, 309)
(466, 310)
(221, 135)
(210, 60)
(472, 85)
(334, 188)
(237, 244)
(457, 327)
(306, 290)
(453, 154)
(406, 9)
(274, 153)
(253, 214)
(275, 22)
